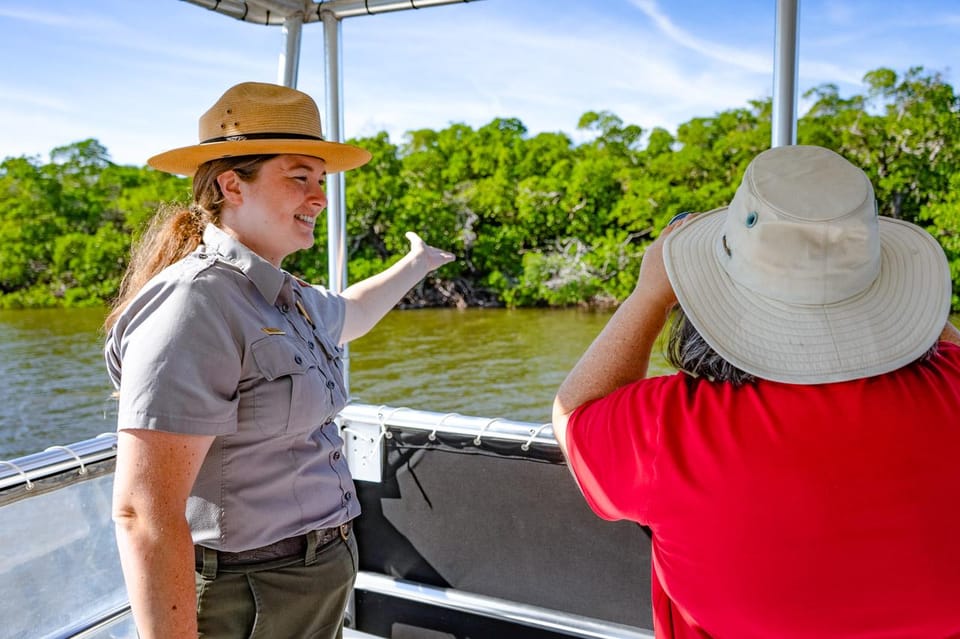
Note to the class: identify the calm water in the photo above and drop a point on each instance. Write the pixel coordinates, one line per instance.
(486, 362)
(492, 363)
(53, 384)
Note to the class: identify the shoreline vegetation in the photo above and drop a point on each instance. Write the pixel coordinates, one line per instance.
(533, 220)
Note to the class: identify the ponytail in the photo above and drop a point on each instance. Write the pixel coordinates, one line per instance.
(175, 231)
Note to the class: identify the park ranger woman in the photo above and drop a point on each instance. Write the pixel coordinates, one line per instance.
(232, 498)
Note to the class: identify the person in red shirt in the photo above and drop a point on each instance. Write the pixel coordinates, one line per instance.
(800, 474)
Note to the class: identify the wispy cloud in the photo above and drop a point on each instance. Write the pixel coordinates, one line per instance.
(33, 100)
(56, 18)
(747, 60)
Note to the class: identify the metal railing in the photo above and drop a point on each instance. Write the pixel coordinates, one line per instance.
(56, 460)
(38, 479)
(498, 609)
(365, 422)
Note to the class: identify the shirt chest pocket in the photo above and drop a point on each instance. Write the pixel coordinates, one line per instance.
(292, 395)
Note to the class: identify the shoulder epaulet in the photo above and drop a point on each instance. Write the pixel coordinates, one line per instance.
(202, 262)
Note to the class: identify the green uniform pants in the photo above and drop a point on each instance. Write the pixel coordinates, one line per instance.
(298, 597)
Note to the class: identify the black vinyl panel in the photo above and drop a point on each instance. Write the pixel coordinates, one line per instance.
(501, 523)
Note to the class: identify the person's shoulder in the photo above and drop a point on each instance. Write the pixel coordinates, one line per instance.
(950, 349)
(652, 391)
(183, 271)
(320, 297)
(189, 281)
(202, 275)
(316, 290)
(947, 355)
(941, 364)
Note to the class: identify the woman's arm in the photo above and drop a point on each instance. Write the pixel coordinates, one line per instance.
(155, 472)
(621, 353)
(369, 300)
(950, 333)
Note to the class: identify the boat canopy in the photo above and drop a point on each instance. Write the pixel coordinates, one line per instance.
(277, 12)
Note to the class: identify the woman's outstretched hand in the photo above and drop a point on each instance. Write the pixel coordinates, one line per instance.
(370, 299)
(431, 256)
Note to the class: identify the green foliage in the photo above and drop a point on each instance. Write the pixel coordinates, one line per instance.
(905, 133)
(66, 226)
(944, 216)
(534, 220)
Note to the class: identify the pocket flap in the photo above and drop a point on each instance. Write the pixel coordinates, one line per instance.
(276, 357)
(329, 348)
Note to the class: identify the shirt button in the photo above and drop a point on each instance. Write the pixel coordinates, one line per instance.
(284, 308)
(330, 384)
(310, 346)
(336, 456)
(348, 496)
(298, 359)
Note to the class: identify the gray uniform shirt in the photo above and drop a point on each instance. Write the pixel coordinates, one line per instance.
(223, 343)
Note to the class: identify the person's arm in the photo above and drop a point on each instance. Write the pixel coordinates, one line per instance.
(950, 334)
(369, 300)
(621, 353)
(154, 474)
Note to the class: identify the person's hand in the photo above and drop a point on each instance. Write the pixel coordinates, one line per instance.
(432, 257)
(653, 282)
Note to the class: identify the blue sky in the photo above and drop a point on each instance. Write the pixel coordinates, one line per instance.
(136, 74)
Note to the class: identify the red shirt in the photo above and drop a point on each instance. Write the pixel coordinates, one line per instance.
(786, 511)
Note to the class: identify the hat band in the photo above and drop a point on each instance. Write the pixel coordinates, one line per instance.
(263, 136)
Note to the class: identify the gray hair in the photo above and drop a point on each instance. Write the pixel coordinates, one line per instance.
(686, 350)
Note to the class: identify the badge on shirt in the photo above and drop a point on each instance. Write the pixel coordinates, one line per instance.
(273, 331)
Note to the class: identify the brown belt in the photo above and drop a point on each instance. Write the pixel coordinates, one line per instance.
(278, 550)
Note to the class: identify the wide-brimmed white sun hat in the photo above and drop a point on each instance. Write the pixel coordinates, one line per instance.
(799, 280)
(255, 118)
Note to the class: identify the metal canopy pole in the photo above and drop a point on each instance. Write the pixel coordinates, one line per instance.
(333, 84)
(784, 129)
(290, 58)
(336, 185)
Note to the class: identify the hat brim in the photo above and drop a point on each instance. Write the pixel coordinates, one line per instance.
(890, 324)
(185, 160)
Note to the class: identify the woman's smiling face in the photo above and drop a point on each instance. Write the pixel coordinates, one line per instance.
(275, 213)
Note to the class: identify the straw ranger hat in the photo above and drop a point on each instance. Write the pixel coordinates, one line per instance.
(800, 281)
(255, 118)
